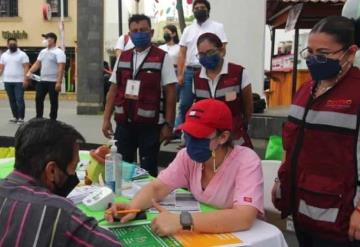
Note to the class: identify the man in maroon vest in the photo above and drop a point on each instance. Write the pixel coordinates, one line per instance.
(143, 98)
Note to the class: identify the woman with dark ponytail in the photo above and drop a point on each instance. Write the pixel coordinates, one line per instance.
(319, 180)
(171, 45)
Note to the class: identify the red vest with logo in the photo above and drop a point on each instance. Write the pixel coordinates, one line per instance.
(145, 109)
(319, 177)
(229, 83)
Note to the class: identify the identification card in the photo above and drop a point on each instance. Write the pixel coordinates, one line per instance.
(230, 96)
(132, 89)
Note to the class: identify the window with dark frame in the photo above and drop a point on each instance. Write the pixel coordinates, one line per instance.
(56, 7)
(8, 8)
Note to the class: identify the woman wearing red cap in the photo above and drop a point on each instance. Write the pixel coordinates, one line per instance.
(228, 82)
(215, 171)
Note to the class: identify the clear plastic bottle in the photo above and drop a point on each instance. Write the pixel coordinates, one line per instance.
(113, 171)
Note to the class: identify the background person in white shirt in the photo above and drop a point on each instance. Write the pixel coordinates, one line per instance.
(188, 61)
(171, 45)
(124, 43)
(52, 62)
(14, 65)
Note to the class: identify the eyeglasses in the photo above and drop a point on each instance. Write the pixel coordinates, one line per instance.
(207, 53)
(321, 57)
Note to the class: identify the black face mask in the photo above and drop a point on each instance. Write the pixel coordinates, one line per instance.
(13, 48)
(201, 15)
(68, 185)
(167, 37)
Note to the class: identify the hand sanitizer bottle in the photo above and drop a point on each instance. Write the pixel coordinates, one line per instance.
(113, 171)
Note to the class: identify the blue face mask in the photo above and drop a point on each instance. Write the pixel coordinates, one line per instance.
(210, 61)
(198, 149)
(141, 39)
(323, 71)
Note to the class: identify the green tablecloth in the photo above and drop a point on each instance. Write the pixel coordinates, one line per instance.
(7, 166)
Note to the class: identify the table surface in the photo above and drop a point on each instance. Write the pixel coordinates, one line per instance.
(261, 234)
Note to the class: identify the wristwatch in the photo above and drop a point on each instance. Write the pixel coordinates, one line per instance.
(186, 220)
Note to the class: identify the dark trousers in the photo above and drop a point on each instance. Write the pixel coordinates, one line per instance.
(15, 92)
(130, 137)
(307, 239)
(42, 88)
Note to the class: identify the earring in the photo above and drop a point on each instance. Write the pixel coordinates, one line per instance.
(213, 154)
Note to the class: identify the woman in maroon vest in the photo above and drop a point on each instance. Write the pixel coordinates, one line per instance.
(319, 179)
(224, 81)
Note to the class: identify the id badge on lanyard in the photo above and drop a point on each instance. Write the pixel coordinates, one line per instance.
(132, 89)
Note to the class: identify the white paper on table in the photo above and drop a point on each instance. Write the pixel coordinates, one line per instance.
(80, 192)
(179, 201)
(134, 188)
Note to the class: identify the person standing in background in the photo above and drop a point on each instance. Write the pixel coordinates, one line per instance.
(143, 98)
(171, 45)
(124, 43)
(225, 81)
(14, 64)
(52, 62)
(188, 62)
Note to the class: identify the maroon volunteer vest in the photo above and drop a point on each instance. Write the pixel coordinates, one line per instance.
(146, 109)
(228, 84)
(319, 177)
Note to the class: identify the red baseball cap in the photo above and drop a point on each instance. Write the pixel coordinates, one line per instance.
(206, 116)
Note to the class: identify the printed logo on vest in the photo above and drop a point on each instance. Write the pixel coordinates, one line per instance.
(339, 104)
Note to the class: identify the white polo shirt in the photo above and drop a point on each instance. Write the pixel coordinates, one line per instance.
(168, 75)
(224, 71)
(172, 50)
(191, 34)
(50, 58)
(14, 66)
(120, 43)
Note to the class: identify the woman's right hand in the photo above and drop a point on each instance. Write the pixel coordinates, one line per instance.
(111, 213)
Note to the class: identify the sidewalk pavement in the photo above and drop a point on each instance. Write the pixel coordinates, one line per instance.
(88, 126)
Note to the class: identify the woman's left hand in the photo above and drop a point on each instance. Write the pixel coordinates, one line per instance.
(354, 228)
(165, 223)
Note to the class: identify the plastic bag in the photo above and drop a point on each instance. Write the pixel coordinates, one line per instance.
(274, 149)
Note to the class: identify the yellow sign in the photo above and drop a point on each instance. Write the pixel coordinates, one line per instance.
(14, 34)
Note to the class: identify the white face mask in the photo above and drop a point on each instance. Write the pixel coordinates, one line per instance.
(45, 42)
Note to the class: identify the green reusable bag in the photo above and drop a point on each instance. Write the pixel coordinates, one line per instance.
(274, 149)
